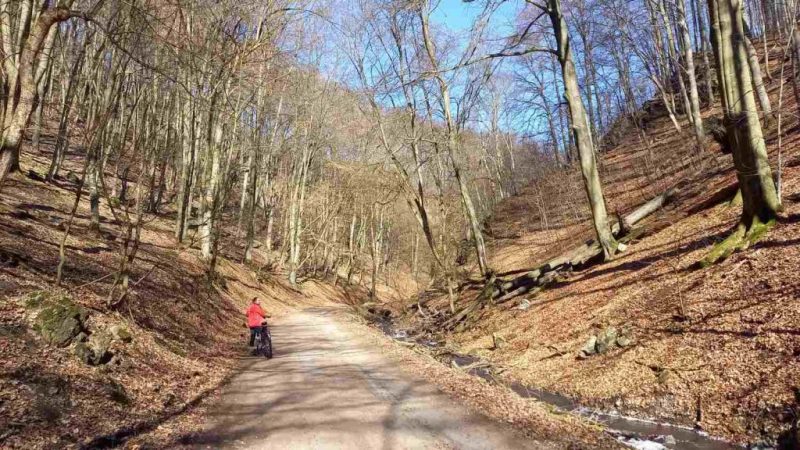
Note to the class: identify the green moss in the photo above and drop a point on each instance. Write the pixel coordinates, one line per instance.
(740, 239)
(757, 231)
(35, 299)
(58, 319)
(737, 199)
(725, 248)
(121, 334)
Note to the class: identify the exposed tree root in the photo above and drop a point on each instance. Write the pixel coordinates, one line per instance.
(740, 239)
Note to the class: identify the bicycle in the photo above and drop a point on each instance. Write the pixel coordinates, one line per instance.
(263, 342)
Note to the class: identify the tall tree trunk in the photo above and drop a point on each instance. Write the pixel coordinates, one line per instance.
(211, 193)
(760, 201)
(187, 172)
(755, 71)
(452, 148)
(586, 152)
(17, 117)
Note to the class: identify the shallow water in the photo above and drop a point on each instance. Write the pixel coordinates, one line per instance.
(634, 432)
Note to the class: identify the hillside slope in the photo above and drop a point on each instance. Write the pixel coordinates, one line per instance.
(172, 342)
(717, 348)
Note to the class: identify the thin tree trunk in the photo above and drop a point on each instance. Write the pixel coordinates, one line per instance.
(586, 151)
(688, 53)
(452, 148)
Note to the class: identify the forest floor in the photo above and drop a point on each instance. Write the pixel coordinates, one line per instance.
(182, 338)
(717, 348)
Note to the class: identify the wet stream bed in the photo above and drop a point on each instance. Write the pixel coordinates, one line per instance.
(635, 432)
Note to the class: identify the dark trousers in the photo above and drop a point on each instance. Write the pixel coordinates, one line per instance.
(253, 332)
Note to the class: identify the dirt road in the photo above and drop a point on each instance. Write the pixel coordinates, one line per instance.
(327, 389)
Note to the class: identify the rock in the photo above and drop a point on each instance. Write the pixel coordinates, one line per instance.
(116, 392)
(59, 320)
(83, 352)
(96, 350)
(73, 178)
(670, 440)
(33, 175)
(621, 247)
(606, 340)
(100, 345)
(590, 348)
(624, 341)
(120, 333)
(524, 305)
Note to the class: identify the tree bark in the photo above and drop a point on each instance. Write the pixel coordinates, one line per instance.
(452, 148)
(760, 202)
(586, 152)
(18, 116)
(688, 53)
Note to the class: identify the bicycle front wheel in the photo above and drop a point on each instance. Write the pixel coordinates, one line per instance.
(267, 346)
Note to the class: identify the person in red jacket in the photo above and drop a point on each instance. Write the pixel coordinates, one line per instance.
(255, 319)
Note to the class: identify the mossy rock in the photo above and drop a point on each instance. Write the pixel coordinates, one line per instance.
(83, 352)
(120, 333)
(116, 392)
(58, 320)
(606, 340)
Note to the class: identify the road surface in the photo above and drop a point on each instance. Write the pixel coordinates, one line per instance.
(326, 388)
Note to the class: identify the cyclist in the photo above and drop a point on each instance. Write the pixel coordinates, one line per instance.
(255, 319)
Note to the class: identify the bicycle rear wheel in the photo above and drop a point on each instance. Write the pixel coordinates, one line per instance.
(260, 345)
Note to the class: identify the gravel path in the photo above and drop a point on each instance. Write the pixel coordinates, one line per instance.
(328, 388)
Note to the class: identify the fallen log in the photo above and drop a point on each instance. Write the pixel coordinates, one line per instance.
(499, 291)
(579, 256)
(643, 211)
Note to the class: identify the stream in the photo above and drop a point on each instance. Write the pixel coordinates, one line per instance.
(638, 433)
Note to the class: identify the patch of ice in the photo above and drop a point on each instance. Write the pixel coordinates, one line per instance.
(640, 444)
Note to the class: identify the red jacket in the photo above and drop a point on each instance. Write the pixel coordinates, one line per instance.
(255, 315)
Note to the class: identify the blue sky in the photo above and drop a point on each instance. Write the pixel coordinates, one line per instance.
(458, 15)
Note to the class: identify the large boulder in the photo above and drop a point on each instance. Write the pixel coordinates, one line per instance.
(56, 318)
